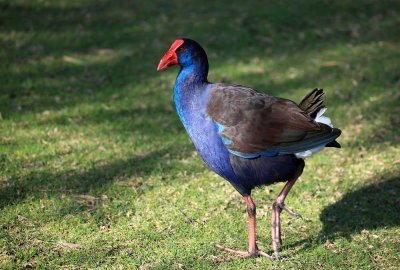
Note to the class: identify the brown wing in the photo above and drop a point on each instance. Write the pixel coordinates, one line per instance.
(253, 122)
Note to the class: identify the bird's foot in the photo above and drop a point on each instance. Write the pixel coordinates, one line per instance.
(288, 210)
(245, 254)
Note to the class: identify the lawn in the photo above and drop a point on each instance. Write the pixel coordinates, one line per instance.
(96, 171)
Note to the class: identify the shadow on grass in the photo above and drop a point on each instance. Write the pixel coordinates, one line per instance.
(370, 207)
(38, 71)
(374, 206)
(40, 184)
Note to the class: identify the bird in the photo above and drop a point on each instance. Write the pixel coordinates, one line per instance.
(247, 137)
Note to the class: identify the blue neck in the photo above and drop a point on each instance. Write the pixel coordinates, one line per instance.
(190, 85)
(192, 75)
(191, 95)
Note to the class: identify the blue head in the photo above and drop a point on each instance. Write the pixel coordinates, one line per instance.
(188, 54)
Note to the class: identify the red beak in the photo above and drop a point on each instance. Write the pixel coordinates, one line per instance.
(170, 58)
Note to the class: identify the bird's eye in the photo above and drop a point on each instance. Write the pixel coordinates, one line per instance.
(181, 49)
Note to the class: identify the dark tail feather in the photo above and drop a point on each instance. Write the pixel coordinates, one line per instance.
(313, 102)
(334, 144)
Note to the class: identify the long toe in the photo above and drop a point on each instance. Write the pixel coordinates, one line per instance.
(240, 253)
(263, 254)
(289, 211)
(245, 254)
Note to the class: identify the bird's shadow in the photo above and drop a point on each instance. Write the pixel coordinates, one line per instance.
(374, 206)
(370, 207)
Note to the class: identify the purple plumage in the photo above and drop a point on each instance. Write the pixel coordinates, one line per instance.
(248, 138)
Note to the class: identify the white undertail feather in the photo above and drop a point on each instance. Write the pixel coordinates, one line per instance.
(320, 119)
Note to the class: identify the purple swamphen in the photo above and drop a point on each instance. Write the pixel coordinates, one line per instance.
(248, 138)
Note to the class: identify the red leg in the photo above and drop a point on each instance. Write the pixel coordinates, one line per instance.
(252, 250)
(277, 208)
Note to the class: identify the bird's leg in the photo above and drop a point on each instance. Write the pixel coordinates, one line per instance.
(251, 211)
(252, 249)
(277, 208)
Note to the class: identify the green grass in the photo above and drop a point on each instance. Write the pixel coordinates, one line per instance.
(96, 171)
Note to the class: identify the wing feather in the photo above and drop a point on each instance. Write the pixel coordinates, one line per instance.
(254, 122)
